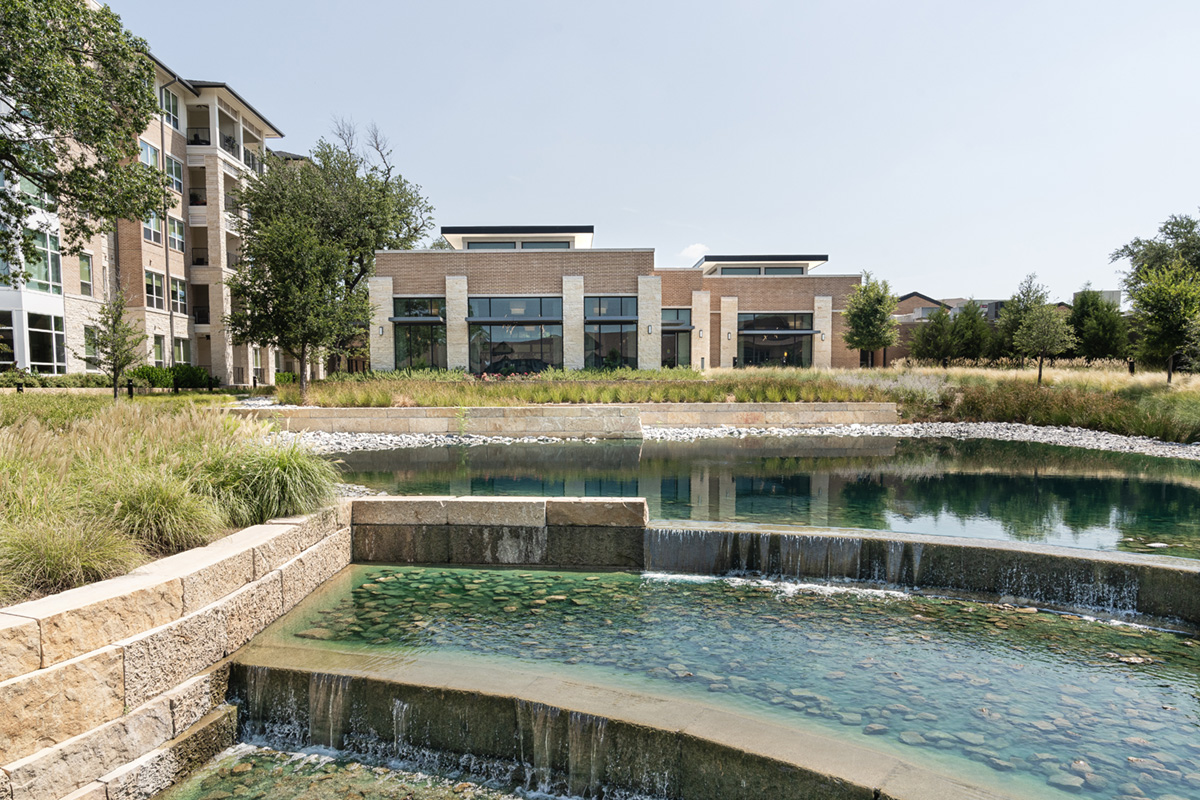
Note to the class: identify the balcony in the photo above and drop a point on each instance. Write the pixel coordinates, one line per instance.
(233, 261)
(200, 315)
(250, 159)
(199, 256)
(199, 137)
(197, 197)
(229, 144)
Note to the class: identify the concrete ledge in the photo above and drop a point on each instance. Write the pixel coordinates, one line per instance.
(617, 512)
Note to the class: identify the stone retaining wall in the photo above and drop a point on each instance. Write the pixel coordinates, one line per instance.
(601, 421)
(116, 689)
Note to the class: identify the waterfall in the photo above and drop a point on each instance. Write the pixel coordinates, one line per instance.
(586, 755)
(328, 709)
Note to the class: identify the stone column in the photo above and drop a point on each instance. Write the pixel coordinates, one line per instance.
(383, 345)
(268, 366)
(458, 343)
(728, 332)
(701, 336)
(572, 298)
(822, 350)
(219, 306)
(649, 329)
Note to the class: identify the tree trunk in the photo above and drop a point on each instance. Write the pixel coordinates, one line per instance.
(116, 386)
(302, 359)
(1040, 360)
(1170, 366)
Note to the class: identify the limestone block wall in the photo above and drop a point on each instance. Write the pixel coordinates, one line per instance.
(572, 297)
(458, 332)
(649, 306)
(383, 345)
(116, 689)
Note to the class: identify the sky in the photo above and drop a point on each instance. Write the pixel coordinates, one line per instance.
(949, 148)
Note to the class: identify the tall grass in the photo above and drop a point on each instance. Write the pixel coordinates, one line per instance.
(89, 497)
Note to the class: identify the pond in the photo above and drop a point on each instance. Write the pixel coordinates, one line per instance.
(1021, 701)
(974, 488)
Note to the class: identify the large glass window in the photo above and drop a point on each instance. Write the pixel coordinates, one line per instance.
(85, 274)
(740, 271)
(35, 195)
(179, 295)
(47, 344)
(183, 351)
(676, 317)
(515, 348)
(677, 349)
(169, 102)
(775, 350)
(45, 268)
(491, 245)
(775, 321)
(175, 173)
(516, 308)
(432, 307)
(545, 245)
(175, 233)
(783, 270)
(596, 307)
(154, 290)
(160, 346)
(8, 346)
(610, 346)
(420, 346)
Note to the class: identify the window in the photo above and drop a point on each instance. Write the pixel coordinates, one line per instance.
(47, 344)
(35, 195)
(774, 321)
(775, 339)
(179, 295)
(169, 102)
(599, 307)
(740, 271)
(154, 290)
(527, 308)
(175, 173)
(85, 274)
(91, 357)
(183, 351)
(783, 270)
(676, 317)
(45, 269)
(545, 245)
(491, 245)
(420, 346)
(149, 155)
(175, 233)
(677, 349)
(152, 228)
(160, 344)
(610, 346)
(515, 347)
(8, 349)
(432, 307)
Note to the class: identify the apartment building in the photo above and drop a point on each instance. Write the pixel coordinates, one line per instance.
(171, 266)
(524, 298)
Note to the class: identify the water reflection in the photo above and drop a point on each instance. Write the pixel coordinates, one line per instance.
(974, 488)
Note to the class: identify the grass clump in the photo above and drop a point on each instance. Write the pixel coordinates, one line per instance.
(88, 497)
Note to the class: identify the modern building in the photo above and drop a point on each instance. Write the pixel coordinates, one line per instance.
(171, 266)
(524, 298)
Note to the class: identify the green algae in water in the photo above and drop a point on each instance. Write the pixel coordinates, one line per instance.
(253, 773)
(1079, 704)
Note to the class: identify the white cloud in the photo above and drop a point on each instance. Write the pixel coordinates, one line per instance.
(693, 252)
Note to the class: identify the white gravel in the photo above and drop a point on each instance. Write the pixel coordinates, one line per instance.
(322, 442)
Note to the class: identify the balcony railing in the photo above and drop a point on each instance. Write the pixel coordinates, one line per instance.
(199, 256)
(229, 144)
(197, 197)
(199, 136)
(233, 261)
(231, 203)
(200, 315)
(250, 159)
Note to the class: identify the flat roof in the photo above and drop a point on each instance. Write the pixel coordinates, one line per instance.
(515, 229)
(763, 258)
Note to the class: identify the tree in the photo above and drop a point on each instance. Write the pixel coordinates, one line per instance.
(869, 321)
(970, 332)
(1030, 295)
(291, 292)
(1098, 325)
(1044, 333)
(1165, 304)
(1178, 239)
(355, 200)
(76, 90)
(932, 339)
(115, 343)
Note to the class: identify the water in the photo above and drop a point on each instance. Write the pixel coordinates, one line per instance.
(1019, 700)
(974, 488)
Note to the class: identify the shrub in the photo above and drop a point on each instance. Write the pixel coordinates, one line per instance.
(260, 481)
(159, 510)
(155, 377)
(50, 555)
(188, 376)
(285, 378)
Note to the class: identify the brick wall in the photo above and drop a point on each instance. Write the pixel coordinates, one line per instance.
(678, 285)
(515, 272)
(760, 293)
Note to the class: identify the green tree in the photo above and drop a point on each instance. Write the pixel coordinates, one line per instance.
(1178, 239)
(1030, 295)
(355, 199)
(116, 344)
(291, 292)
(970, 332)
(1098, 325)
(932, 340)
(869, 322)
(76, 90)
(1044, 333)
(1165, 304)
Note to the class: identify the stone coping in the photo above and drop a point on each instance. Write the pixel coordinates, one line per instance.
(717, 750)
(96, 678)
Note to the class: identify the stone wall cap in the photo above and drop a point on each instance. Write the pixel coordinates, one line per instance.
(84, 596)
